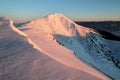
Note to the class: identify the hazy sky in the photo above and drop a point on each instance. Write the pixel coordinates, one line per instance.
(74, 9)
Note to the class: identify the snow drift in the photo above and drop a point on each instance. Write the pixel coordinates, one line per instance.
(30, 57)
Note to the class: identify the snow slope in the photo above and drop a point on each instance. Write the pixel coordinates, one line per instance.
(22, 59)
(43, 31)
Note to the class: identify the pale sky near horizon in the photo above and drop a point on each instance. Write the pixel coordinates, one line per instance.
(83, 10)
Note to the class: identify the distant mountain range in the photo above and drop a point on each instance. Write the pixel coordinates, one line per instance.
(109, 26)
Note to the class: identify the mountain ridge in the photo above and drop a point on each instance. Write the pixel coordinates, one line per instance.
(42, 30)
(22, 47)
(85, 43)
(21, 60)
(59, 38)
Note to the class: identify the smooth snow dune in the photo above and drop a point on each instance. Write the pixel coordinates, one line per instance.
(41, 32)
(20, 60)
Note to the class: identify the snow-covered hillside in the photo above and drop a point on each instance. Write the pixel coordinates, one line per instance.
(38, 57)
(57, 35)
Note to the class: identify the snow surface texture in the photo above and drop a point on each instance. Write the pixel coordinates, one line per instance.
(22, 57)
(85, 43)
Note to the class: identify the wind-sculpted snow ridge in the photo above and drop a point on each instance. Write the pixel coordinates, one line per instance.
(43, 32)
(21, 58)
(61, 39)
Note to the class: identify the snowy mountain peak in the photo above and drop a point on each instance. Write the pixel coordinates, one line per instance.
(58, 24)
(59, 16)
(56, 14)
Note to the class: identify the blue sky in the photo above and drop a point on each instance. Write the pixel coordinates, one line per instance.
(83, 10)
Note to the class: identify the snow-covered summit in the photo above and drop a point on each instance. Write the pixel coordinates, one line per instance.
(59, 24)
(61, 21)
(59, 16)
